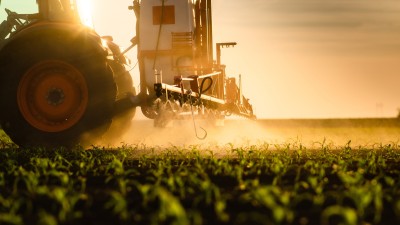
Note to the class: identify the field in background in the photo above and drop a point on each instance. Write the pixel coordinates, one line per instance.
(361, 132)
(309, 132)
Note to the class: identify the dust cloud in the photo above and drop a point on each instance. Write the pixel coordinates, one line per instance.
(309, 133)
(185, 132)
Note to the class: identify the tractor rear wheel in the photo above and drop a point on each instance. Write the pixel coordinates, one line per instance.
(56, 89)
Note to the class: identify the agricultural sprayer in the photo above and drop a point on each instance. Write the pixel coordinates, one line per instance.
(62, 84)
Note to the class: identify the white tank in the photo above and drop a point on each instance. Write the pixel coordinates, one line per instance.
(166, 46)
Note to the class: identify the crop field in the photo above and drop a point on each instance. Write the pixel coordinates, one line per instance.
(270, 172)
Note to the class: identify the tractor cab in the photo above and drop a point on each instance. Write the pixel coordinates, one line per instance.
(59, 10)
(63, 11)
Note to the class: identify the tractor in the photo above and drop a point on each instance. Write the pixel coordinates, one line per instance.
(62, 84)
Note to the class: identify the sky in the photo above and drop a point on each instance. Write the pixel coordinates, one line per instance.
(297, 58)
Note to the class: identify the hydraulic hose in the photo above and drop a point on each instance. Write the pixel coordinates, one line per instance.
(201, 91)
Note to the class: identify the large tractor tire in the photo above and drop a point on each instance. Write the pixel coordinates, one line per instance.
(56, 88)
(124, 112)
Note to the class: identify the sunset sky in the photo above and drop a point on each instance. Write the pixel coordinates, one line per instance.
(298, 58)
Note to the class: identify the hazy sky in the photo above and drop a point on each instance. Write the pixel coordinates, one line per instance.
(298, 58)
(316, 58)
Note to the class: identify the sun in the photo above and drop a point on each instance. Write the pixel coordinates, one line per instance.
(85, 12)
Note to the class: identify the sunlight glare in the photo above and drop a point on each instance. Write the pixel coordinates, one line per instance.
(85, 12)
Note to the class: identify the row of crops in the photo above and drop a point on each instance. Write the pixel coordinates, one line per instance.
(187, 185)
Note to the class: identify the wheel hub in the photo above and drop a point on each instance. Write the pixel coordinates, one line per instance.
(55, 96)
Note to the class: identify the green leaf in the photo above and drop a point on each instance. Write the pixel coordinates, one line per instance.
(11, 219)
(347, 214)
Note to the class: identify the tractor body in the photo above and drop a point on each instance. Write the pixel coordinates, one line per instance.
(63, 84)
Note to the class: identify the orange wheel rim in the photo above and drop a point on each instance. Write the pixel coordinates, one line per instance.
(52, 96)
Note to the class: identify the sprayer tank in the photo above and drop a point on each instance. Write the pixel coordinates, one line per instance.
(166, 38)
